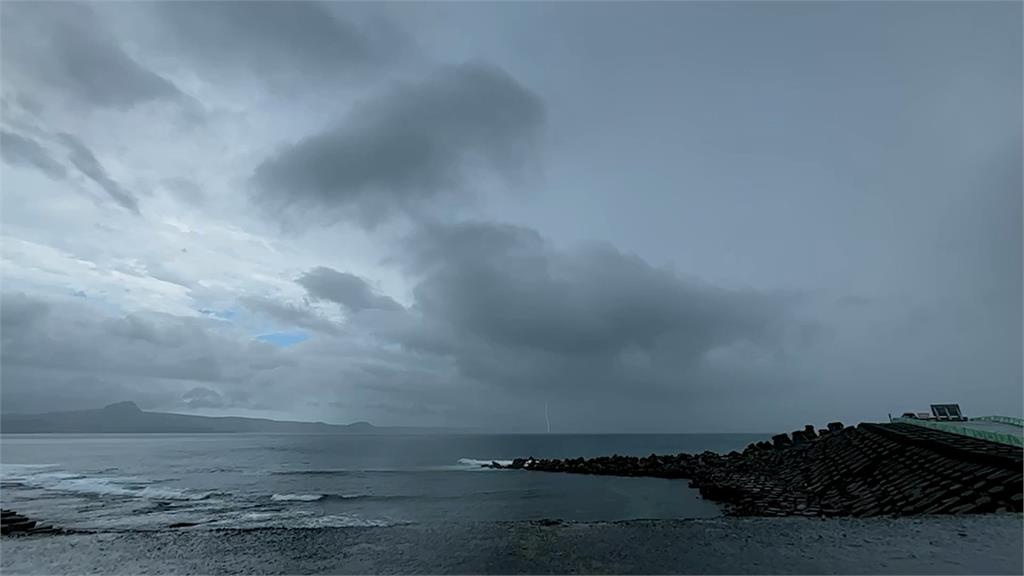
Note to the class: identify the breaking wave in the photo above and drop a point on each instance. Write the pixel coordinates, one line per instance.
(473, 462)
(334, 472)
(320, 497)
(297, 497)
(105, 486)
(297, 519)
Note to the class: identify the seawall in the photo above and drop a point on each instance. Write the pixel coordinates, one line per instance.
(871, 470)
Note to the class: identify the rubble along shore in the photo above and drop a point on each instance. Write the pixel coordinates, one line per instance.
(891, 469)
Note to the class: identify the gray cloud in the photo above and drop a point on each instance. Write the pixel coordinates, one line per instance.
(525, 323)
(22, 150)
(185, 189)
(289, 314)
(290, 40)
(412, 144)
(68, 353)
(63, 353)
(504, 285)
(202, 397)
(20, 314)
(67, 337)
(726, 167)
(65, 46)
(522, 323)
(346, 289)
(83, 159)
(594, 329)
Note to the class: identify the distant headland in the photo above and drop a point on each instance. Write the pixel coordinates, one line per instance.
(127, 417)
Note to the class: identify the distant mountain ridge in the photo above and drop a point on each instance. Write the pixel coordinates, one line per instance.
(127, 417)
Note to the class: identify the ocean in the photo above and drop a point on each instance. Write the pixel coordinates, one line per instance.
(385, 504)
(155, 481)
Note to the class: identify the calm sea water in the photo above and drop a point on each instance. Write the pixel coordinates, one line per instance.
(252, 480)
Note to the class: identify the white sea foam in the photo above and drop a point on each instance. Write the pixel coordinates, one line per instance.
(24, 468)
(294, 518)
(474, 463)
(124, 486)
(340, 521)
(297, 497)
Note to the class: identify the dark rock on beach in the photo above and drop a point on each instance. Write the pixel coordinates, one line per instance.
(12, 523)
(183, 524)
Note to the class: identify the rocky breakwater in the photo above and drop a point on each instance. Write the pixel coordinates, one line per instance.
(12, 523)
(869, 470)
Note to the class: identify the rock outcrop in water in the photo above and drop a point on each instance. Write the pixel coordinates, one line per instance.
(870, 470)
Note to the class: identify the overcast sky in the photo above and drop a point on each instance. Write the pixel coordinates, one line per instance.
(650, 217)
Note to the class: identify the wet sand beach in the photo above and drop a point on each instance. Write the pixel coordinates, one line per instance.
(988, 544)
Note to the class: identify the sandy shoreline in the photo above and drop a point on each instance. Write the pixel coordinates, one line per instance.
(989, 544)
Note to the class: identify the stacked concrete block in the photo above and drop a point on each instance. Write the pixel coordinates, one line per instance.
(871, 470)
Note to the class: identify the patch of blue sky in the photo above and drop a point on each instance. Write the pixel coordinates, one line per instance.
(226, 314)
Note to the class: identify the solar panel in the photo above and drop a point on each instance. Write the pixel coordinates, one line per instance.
(947, 412)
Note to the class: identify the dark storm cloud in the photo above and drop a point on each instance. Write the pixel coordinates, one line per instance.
(22, 150)
(513, 322)
(289, 314)
(66, 46)
(286, 39)
(83, 159)
(346, 289)
(590, 330)
(410, 145)
(503, 284)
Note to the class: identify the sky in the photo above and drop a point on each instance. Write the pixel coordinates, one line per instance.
(648, 217)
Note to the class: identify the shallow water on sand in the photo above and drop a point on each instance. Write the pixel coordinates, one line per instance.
(935, 545)
(261, 480)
